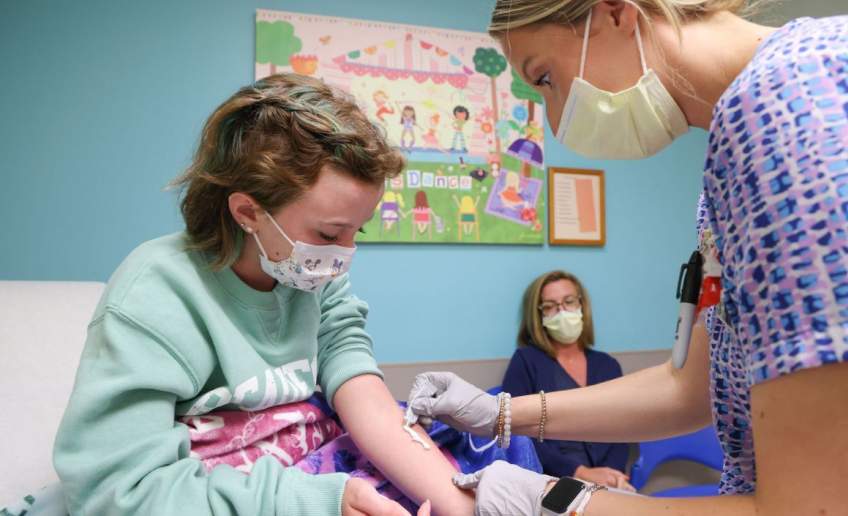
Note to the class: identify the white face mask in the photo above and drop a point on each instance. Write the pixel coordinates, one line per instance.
(308, 267)
(564, 327)
(631, 124)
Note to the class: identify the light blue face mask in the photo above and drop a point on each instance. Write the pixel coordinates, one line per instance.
(565, 327)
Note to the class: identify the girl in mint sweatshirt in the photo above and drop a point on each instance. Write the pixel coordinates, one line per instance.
(247, 309)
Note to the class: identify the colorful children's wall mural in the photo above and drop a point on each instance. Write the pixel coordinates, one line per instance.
(467, 124)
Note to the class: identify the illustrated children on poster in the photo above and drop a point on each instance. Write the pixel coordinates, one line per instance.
(460, 117)
(381, 100)
(515, 198)
(407, 120)
(449, 101)
(431, 139)
(390, 211)
(422, 215)
(467, 216)
(511, 194)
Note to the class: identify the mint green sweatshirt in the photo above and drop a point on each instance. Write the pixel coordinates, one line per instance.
(171, 337)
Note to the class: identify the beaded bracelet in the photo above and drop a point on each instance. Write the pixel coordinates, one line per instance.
(507, 428)
(543, 418)
(501, 419)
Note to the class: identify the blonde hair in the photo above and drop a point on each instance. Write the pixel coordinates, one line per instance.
(533, 333)
(512, 14)
(271, 140)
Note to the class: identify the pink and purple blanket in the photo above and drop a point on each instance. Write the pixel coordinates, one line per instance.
(305, 435)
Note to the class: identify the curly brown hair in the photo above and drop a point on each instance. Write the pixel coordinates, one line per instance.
(271, 140)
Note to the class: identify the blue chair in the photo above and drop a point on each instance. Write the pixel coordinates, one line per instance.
(701, 447)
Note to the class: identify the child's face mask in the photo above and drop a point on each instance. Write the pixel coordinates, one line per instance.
(309, 266)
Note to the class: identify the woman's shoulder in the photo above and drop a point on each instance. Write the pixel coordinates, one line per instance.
(789, 58)
(800, 41)
(807, 36)
(529, 352)
(602, 358)
(527, 367)
(529, 357)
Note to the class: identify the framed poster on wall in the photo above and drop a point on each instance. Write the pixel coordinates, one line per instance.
(576, 211)
(470, 128)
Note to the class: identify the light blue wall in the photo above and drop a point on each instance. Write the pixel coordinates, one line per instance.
(101, 104)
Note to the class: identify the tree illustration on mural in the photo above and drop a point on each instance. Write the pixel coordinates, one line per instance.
(276, 43)
(522, 90)
(526, 149)
(491, 63)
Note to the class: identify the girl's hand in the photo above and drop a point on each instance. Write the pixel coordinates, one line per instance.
(605, 476)
(361, 499)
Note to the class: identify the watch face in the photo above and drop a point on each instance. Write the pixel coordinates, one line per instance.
(563, 493)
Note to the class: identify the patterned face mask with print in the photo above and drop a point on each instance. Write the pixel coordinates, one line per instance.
(308, 267)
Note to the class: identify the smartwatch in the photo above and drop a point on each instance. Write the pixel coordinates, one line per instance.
(566, 493)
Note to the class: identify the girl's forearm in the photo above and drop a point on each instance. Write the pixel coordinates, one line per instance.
(374, 421)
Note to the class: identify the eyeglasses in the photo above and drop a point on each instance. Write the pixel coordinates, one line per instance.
(568, 303)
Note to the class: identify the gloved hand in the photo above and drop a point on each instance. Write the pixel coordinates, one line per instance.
(455, 402)
(504, 489)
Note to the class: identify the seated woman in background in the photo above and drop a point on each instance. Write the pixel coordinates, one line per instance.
(554, 354)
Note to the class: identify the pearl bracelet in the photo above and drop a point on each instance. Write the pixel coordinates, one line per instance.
(506, 413)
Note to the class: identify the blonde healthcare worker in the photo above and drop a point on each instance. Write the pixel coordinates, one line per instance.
(767, 364)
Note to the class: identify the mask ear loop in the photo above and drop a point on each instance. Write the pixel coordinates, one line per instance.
(585, 43)
(259, 243)
(641, 50)
(261, 248)
(274, 222)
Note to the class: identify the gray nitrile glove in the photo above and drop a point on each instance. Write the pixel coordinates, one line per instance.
(504, 489)
(455, 402)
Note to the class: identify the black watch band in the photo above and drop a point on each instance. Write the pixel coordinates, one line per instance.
(564, 492)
